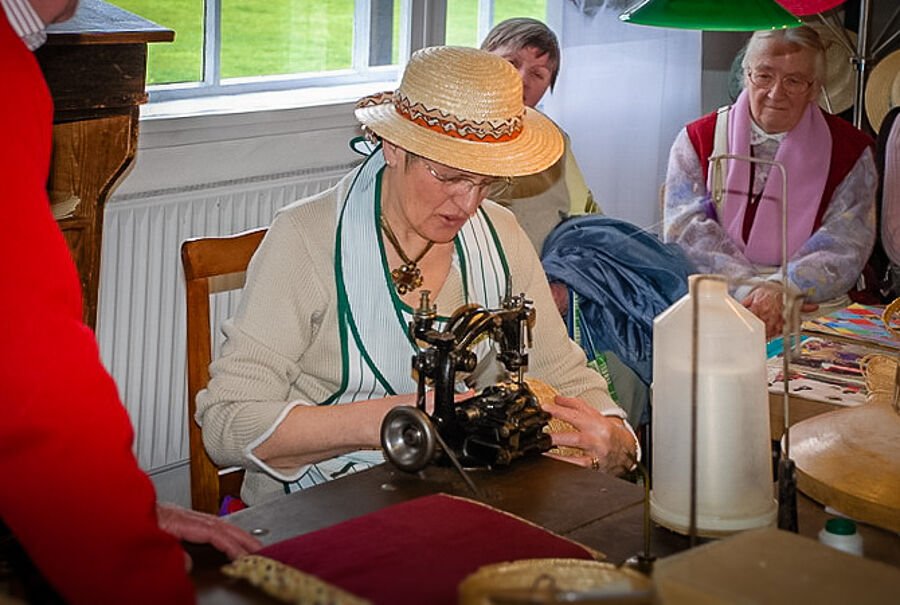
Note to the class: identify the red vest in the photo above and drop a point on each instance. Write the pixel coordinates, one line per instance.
(848, 144)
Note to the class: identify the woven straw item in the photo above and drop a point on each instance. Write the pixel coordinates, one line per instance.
(463, 107)
(883, 89)
(546, 394)
(542, 577)
(288, 584)
(879, 369)
(840, 81)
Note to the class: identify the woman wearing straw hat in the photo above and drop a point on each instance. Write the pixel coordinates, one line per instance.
(831, 183)
(318, 352)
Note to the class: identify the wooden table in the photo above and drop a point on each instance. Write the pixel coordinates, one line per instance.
(599, 511)
(799, 409)
(557, 496)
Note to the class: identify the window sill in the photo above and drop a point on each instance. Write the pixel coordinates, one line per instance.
(256, 114)
(262, 101)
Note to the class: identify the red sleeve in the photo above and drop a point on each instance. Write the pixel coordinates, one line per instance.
(72, 492)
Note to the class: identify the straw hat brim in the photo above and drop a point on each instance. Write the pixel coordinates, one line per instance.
(809, 7)
(883, 89)
(840, 82)
(538, 146)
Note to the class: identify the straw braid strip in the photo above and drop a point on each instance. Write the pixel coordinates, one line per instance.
(287, 583)
(879, 369)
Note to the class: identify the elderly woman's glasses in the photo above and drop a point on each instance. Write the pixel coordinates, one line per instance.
(491, 188)
(791, 85)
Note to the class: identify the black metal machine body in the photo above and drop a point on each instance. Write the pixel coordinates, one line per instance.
(495, 426)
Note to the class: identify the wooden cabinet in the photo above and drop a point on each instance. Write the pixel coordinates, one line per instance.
(95, 66)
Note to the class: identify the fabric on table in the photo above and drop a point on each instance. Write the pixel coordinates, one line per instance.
(418, 551)
(624, 277)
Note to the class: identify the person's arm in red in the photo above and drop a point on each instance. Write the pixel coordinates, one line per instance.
(72, 492)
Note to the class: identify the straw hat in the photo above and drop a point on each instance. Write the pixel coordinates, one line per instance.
(883, 89)
(808, 7)
(840, 80)
(463, 108)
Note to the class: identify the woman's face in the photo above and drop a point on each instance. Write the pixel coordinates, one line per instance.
(533, 67)
(781, 83)
(430, 198)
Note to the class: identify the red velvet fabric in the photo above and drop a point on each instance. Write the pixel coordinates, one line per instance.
(72, 492)
(419, 551)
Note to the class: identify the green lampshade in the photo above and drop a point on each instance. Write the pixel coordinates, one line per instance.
(717, 15)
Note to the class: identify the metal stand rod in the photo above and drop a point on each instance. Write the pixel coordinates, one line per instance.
(887, 27)
(787, 480)
(860, 63)
(695, 354)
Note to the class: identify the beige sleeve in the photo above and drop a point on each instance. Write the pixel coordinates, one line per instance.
(251, 381)
(581, 200)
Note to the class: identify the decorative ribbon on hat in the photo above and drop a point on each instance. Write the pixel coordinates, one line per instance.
(481, 131)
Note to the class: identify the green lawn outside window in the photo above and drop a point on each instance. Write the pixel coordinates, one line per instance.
(285, 36)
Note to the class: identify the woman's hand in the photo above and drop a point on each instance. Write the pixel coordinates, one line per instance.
(609, 446)
(766, 304)
(201, 528)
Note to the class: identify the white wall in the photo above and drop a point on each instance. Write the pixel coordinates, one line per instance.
(623, 93)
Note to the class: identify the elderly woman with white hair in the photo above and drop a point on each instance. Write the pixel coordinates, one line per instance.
(318, 352)
(831, 183)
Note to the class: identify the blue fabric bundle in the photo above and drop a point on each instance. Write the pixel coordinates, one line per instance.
(624, 278)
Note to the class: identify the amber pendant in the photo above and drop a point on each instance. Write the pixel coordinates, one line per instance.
(406, 278)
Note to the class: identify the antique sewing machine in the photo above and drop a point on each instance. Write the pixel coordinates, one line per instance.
(502, 422)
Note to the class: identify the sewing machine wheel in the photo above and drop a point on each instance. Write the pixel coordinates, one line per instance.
(408, 438)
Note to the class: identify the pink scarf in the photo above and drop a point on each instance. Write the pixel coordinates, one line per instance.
(805, 153)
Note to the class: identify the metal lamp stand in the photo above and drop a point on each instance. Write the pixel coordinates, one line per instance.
(787, 476)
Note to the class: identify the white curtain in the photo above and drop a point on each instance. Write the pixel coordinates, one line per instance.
(623, 93)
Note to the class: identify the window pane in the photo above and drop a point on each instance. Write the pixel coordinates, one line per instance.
(179, 61)
(382, 28)
(285, 36)
(506, 9)
(395, 44)
(462, 23)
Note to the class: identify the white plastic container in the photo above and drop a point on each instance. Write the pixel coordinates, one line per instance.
(842, 535)
(734, 464)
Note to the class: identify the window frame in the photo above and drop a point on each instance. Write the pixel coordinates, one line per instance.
(422, 23)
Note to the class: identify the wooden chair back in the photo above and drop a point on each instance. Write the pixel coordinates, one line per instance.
(211, 265)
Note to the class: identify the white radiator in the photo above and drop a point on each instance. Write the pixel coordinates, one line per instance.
(141, 316)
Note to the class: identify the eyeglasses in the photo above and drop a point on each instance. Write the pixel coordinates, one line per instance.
(492, 188)
(791, 85)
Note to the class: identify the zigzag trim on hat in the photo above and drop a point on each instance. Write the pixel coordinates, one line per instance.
(446, 123)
